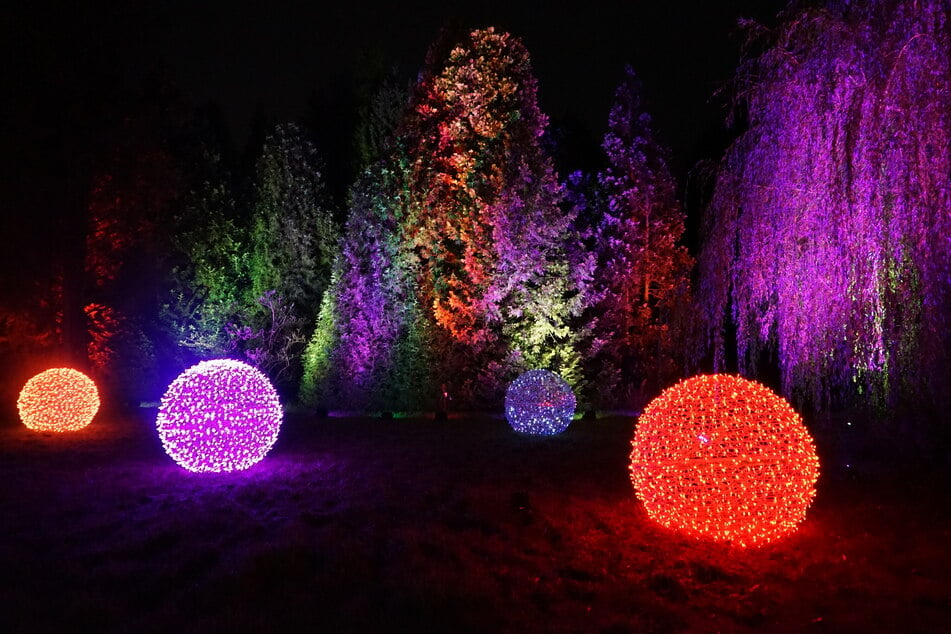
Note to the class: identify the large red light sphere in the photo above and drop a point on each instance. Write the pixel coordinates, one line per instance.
(724, 458)
(58, 399)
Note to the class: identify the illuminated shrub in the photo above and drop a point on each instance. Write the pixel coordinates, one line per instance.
(59, 399)
(539, 402)
(221, 415)
(724, 458)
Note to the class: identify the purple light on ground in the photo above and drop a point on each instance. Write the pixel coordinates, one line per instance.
(221, 415)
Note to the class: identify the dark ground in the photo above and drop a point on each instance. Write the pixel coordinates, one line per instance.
(366, 525)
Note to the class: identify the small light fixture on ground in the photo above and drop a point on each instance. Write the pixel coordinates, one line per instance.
(724, 458)
(221, 415)
(58, 399)
(539, 402)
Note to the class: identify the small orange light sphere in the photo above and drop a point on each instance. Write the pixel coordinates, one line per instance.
(724, 458)
(59, 399)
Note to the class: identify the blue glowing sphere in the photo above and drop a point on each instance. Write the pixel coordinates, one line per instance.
(539, 402)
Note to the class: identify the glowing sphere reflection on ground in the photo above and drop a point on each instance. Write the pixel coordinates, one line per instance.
(58, 399)
(221, 415)
(724, 458)
(539, 402)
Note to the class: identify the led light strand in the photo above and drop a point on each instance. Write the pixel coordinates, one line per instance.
(58, 399)
(724, 458)
(539, 402)
(221, 415)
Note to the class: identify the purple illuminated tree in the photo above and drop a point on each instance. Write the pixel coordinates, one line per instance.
(642, 279)
(828, 238)
(366, 350)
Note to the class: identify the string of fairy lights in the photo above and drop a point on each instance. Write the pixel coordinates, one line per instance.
(221, 415)
(715, 457)
(58, 399)
(724, 458)
(539, 402)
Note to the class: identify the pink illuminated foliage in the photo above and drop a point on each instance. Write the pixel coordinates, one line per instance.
(370, 348)
(642, 280)
(459, 257)
(828, 235)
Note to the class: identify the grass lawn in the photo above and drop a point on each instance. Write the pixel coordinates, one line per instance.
(366, 525)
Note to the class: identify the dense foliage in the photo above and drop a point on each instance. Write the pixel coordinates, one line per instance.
(642, 278)
(829, 238)
(459, 259)
(292, 238)
(209, 272)
(366, 349)
(464, 260)
(498, 266)
(292, 228)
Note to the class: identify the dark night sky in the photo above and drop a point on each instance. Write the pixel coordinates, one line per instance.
(280, 58)
(283, 56)
(289, 60)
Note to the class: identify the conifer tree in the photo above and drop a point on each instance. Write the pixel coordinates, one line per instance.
(292, 241)
(485, 218)
(642, 279)
(365, 351)
(292, 227)
(209, 272)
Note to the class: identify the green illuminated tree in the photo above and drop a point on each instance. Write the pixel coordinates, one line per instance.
(292, 242)
(209, 273)
(292, 228)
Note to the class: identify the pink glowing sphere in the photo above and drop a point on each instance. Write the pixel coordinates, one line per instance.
(59, 399)
(221, 415)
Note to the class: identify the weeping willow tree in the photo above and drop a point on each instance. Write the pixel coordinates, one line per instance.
(829, 231)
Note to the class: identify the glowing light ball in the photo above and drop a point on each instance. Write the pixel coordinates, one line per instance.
(221, 415)
(58, 399)
(539, 402)
(723, 458)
